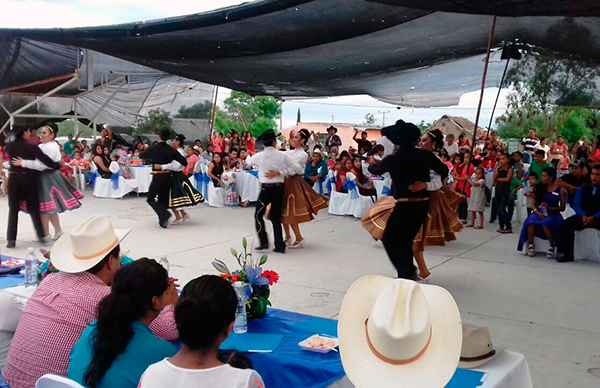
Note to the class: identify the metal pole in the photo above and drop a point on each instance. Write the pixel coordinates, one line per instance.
(497, 97)
(214, 113)
(485, 68)
(281, 118)
(76, 122)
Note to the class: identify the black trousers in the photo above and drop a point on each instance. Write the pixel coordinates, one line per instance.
(569, 227)
(402, 227)
(270, 194)
(23, 187)
(158, 196)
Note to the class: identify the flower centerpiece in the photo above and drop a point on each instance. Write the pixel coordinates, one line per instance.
(258, 282)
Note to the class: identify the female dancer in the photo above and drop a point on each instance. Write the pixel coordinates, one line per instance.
(442, 220)
(410, 211)
(301, 202)
(56, 194)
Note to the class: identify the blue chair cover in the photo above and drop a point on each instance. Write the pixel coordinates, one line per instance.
(386, 191)
(351, 187)
(199, 180)
(255, 173)
(93, 177)
(115, 180)
(330, 185)
(321, 181)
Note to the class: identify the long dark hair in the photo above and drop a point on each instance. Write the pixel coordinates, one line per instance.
(541, 188)
(205, 308)
(132, 290)
(437, 139)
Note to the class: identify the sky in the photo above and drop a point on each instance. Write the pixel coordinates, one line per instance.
(346, 109)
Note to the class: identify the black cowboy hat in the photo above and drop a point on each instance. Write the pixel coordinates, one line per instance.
(267, 137)
(332, 127)
(402, 133)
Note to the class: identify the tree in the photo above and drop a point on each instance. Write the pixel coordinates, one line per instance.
(298, 117)
(369, 119)
(156, 120)
(200, 110)
(423, 126)
(243, 112)
(542, 81)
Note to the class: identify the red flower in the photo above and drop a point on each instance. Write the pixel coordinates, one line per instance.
(272, 276)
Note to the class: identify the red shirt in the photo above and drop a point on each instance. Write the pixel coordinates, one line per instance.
(489, 163)
(62, 306)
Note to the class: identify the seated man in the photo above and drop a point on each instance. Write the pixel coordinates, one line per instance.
(315, 169)
(587, 206)
(65, 303)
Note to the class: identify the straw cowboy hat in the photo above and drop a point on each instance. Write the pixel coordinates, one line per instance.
(319, 152)
(397, 333)
(86, 245)
(477, 347)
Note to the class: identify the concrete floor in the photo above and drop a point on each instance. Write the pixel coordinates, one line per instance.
(548, 311)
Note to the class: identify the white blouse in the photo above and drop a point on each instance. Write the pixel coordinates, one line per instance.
(299, 156)
(52, 149)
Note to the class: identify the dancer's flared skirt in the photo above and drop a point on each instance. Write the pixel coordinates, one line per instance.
(301, 202)
(56, 194)
(442, 220)
(182, 193)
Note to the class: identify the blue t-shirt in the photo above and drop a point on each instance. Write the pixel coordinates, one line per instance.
(143, 350)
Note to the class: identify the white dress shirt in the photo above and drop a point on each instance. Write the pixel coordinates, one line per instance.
(299, 156)
(271, 159)
(51, 149)
(452, 149)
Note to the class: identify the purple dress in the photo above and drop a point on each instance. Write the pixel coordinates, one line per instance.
(553, 221)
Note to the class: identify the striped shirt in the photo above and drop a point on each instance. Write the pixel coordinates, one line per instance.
(56, 315)
(530, 143)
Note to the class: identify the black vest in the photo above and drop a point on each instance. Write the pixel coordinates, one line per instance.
(590, 203)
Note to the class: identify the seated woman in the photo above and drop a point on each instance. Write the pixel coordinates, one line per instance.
(364, 183)
(215, 169)
(347, 166)
(192, 159)
(545, 220)
(116, 349)
(196, 364)
(102, 162)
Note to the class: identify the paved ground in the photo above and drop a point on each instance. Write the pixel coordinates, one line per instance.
(548, 311)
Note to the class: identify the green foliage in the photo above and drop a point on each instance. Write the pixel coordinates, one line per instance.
(67, 127)
(201, 110)
(243, 112)
(156, 120)
(369, 119)
(423, 126)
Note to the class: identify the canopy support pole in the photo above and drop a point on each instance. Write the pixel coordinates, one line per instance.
(76, 122)
(214, 114)
(497, 97)
(109, 99)
(483, 79)
(49, 94)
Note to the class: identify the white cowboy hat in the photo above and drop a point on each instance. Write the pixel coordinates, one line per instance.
(397, 333)
(86, 245)
(477, 347)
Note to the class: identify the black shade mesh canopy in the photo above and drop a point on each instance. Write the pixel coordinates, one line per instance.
(416, 53)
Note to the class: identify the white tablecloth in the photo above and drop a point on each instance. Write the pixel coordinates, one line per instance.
(247, 186)
(508, 370)
(143, 175)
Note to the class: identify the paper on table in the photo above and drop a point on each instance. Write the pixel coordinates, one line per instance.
(319, 326)
(252, 342)
(466, 378)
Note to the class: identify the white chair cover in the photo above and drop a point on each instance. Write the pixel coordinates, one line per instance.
(52, 381)
(103, 188)
(339, 203)
(359, 204)
(587, 244)
(214, 195)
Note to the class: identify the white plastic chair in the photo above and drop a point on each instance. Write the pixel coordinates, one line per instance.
(52, 381)
(78, 178)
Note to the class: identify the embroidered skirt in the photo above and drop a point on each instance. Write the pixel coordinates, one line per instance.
(182, 193)
(300, 202)
(56, 194)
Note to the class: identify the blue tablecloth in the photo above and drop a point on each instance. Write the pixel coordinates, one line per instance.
(290, 366)
(7, 281)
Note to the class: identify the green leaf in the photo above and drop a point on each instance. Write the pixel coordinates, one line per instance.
(233, 252)
(263, 260)
(244, 243)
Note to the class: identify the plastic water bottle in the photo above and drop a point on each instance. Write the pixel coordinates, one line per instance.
(164, 262)
(240, 325)
(31, 269)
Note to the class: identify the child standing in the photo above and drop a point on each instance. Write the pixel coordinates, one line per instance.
(477, 200)
(503, 174)
(532, 182)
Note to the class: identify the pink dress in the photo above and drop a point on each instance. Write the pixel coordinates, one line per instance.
(218, 145)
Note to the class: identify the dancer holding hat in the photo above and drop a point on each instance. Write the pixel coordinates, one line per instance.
(24, 185)
(412, 203)
(271, 173)
(158, 193)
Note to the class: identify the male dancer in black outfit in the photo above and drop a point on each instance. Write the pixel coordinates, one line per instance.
(24, 184)
(158, 193)
(409, 169)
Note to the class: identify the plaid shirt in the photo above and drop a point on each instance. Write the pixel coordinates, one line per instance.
(60, 309)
